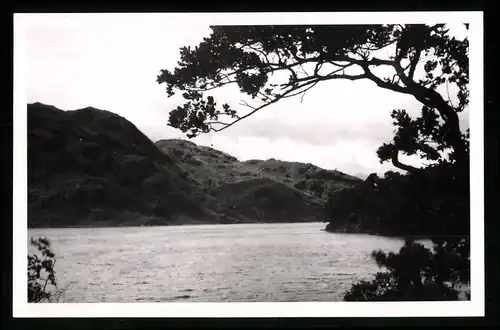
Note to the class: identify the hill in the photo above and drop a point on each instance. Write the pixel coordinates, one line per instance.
(265, 200)
(211, 168)
(91, 167)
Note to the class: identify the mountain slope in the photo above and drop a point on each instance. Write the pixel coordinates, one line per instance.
(91, 167)
(211, 168)
(265, 200)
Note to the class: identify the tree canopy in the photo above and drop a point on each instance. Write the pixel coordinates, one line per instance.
(418, 60)
(272, 63)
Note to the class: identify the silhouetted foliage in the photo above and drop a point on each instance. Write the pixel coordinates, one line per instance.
(432, 200)
(41, 273)
(249, 55)
(416, 273)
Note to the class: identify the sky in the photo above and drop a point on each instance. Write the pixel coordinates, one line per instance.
(111, 61)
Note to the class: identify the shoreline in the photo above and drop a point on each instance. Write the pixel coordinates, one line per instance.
(172, 225)
(415, 237)
(105, 226)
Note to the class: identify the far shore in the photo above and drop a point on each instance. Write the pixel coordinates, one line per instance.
(97, 225)
(106, 226)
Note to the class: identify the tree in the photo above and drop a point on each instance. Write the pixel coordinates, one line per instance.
(272, 63)
(251, 56)
(433, 202)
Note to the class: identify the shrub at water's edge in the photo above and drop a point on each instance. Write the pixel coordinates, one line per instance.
(416, 273)
(42, 284)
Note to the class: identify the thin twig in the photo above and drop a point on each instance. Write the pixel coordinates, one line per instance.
(448, 92)
(245, 103)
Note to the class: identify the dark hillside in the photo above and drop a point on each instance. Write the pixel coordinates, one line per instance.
(93, 167)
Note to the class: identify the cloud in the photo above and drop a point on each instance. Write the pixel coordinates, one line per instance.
(321, 133)
(111, 61)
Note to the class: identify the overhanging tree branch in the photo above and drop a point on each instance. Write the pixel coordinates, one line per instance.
(308, 81)
(398, 164)
(253, 54)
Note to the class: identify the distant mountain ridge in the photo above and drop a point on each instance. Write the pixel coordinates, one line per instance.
(91, 167)
(211, 168)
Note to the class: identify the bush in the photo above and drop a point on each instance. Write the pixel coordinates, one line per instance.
(417, 274)
(42, 285)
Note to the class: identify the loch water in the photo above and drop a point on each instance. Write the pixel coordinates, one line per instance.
(211, 263)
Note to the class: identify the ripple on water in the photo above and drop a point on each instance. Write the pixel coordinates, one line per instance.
(261, 262)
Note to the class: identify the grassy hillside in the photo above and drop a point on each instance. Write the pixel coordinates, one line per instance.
(211, 168)
(90, 167)
(265, 200)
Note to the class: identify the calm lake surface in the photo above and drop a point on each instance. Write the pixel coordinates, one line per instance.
(211, 263)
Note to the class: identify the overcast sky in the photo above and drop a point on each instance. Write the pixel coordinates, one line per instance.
(111, 62)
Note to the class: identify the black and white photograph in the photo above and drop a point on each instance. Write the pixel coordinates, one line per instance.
(251, 164)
